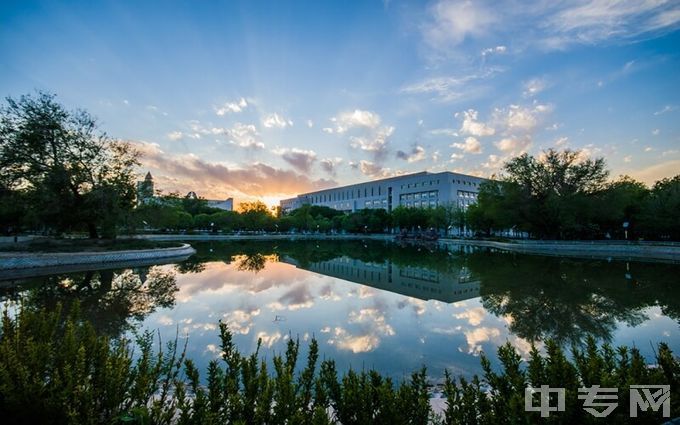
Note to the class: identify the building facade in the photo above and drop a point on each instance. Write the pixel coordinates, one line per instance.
(419, 190)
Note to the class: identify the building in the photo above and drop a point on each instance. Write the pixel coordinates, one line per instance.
(145, 189)
(416, 282)
(226, 205)
(419, 190)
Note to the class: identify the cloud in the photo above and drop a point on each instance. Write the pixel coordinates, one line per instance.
(534, 87)
(448, 89)
(596, 21)
(665, 109)
(416, 154)
(276, 121)
(370, 169)
(471, 145)
(310, 123)
(451, 22)
(493, 50)
(656, 132)
(356, 119)
(513, 145)
(218, 181)
(175, 135)
(329, 165)
(473, 127)
(327, 130)
(516, 118)
(301, 159)
(656, 172)
(231, 107)
(240, 321)
(374, 141)
(444, 132)
(244, 136)
(562, 141)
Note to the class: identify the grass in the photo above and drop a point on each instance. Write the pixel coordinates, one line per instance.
(50, 245)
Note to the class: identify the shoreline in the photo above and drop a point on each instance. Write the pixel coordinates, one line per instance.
(17, 265)
(668, 253)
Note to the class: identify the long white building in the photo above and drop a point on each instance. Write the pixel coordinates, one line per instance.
(419, 190)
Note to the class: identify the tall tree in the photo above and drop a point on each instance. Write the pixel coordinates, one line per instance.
(74, 174)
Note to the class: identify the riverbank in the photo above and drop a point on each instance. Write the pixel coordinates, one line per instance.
(20, 264)
(618, 250)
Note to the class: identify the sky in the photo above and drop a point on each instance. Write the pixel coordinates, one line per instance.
(265, 100)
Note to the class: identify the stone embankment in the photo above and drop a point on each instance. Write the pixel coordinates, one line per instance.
(634, 251)
(14, 264)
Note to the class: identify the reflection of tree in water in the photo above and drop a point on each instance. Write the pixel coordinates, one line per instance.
(110, 299)
(254, 262)
(567, 300)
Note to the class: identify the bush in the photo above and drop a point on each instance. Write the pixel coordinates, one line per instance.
(59, 371)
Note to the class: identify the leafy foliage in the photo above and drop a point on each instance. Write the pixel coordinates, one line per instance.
(56, 369)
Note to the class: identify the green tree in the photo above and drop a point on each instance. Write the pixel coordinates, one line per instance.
(73, 174)
(660, 215)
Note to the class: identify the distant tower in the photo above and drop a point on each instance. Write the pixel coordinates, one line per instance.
(145, 189)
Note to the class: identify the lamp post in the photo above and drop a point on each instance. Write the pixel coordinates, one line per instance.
(212, 227)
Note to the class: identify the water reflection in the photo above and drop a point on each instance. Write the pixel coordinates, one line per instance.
(115, 301)
(374, 304)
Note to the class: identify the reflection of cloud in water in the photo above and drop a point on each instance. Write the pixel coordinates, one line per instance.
(225, 278)
(418, 306)
(474, 316)
(327, 293)
(241, 320)
(356, 344)
(268, 340)
(297, 298)
(373, 326)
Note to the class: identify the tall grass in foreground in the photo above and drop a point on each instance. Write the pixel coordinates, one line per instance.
(55, 369)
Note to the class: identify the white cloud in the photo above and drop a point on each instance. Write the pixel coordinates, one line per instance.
(471, 145)
(513, 145)
(562, 141)
(494, 50)
(627, 159)
(444, 132)
(595, 21)
(175, 135)
(356, 119)
(522, 119)
(447, 89)
(451, 22)
(665, 109)
(370, 169)
(231, 107)
(243, 135)
(534, 87)
(473, 127)
(374, 142)
(656, 132)
(455, 156)
(310, 123)
(327, 130)
(276, 121)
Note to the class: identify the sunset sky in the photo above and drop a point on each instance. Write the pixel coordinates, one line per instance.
(267, 99)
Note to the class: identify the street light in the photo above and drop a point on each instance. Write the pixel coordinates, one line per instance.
(212, 227)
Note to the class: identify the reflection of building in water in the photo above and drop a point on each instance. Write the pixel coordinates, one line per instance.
(416, 282)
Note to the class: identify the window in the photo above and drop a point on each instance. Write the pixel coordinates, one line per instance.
(379, 190)
(416, 196)
(372, 191)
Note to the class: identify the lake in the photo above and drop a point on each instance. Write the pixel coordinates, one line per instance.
(375, 304)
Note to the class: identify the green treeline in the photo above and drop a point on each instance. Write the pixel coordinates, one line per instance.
(562, 196)
(56, 368)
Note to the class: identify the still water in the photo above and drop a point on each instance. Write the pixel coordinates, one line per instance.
(375, 304)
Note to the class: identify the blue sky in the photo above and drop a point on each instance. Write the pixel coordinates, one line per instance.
(265, 100)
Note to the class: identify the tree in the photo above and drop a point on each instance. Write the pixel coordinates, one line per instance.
(660, 215)
(553, 193)
(73, 175)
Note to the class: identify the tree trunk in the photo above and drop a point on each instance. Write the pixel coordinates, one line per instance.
(92, 229)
